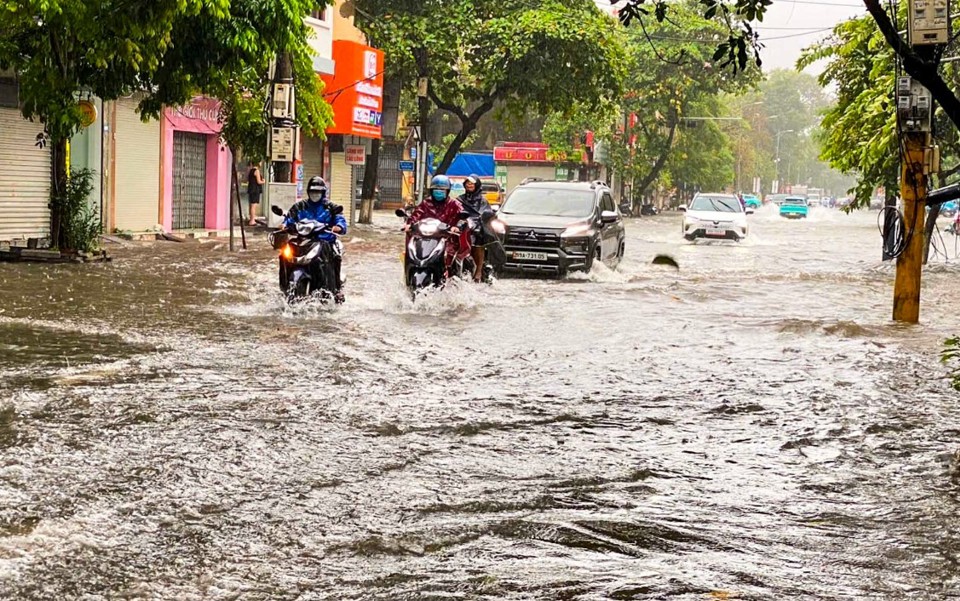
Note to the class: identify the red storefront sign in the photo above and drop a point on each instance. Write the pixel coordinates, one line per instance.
(355, 90)
(531, 154)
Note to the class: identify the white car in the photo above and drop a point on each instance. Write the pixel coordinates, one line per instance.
(715, 216)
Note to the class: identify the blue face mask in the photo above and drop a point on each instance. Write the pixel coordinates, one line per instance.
(439, 195)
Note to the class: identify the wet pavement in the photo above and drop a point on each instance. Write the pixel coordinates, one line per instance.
(751, 426)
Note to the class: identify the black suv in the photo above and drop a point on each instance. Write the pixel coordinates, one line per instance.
(555, 227)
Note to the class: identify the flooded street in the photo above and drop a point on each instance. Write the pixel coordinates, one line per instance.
(752, 426)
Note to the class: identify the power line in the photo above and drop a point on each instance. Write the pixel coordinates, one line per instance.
(762, 39)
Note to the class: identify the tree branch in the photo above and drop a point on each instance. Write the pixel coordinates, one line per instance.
(448, 106)
(924, 71)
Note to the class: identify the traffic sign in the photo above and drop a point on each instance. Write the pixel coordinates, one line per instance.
(406, 165)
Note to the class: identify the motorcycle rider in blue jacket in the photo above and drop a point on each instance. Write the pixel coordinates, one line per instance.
(317, 207)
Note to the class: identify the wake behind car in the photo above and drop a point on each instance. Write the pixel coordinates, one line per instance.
(553, 227)
(794, 207)
(715, 216)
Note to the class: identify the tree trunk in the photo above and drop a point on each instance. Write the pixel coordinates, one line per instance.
(370, 173)
(58, 237)
(466, 129)
(659, 165)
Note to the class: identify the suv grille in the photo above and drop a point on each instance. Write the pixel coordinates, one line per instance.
(533, 238)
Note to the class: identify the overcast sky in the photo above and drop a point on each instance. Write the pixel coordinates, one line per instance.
(791, 25)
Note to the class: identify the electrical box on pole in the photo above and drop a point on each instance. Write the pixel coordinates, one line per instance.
(928, 22)
(914, 106)
(283, 101)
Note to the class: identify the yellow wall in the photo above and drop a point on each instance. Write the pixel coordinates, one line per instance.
(343, 28)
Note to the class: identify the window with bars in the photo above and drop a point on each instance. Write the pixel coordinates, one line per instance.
(319, 14)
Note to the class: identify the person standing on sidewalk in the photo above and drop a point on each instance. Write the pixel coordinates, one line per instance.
(254, 190)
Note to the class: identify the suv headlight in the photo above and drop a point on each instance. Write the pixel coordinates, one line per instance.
(580, 230)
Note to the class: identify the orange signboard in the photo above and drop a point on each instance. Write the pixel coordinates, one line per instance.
(355, 90)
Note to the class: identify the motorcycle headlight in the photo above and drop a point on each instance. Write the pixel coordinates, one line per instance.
(287, 252)
(428, 229)
(497, 226)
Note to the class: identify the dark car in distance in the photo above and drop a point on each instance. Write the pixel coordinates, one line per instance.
(553, 227)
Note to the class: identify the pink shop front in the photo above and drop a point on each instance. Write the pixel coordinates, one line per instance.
(196, 168)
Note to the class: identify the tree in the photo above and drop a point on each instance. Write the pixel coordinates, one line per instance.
(859, 134)
(166, 50)
(703, 158)
(742, 45)
(670, 76)
(513, 55)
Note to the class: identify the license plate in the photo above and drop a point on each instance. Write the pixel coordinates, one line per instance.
(713, 232)
(530, 256)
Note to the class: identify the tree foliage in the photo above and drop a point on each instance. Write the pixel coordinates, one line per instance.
(742, 44)
(513, 55)
(165, 50)
(672, 74)
(859, 133)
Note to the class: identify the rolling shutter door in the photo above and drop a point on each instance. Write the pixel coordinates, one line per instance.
(341, 180)
(137, 175)
(25, 172)
(312, 154)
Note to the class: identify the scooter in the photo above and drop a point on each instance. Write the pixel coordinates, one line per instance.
(306, 263)
(488, 231)
(424, 262)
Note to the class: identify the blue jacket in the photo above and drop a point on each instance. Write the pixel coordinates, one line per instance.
(319, 211)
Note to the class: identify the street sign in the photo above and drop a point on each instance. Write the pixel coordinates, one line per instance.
(406, 165)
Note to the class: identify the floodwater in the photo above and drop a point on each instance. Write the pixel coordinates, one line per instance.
(752, 426)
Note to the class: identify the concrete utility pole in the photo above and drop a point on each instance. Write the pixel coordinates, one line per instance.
(283, 170)
(926, 30)
(423, 144)
(777, 160)
(913, 192)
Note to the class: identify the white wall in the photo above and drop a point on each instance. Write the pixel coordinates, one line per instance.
(321, 41)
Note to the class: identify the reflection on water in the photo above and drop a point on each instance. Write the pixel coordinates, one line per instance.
(750, 426)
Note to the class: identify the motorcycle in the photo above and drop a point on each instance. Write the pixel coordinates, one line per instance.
(488, 231)
(424, 262)
(306, 263)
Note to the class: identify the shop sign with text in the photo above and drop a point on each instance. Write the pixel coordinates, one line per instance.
(355, 90)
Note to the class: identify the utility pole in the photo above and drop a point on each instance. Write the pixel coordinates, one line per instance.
(914, 112)
(423, 144)
(283, 169)
(927, 28)
(777, 160)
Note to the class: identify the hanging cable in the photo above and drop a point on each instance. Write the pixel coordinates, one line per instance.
(896, 239)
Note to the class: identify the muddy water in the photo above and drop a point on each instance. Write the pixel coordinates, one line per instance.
(750, 427)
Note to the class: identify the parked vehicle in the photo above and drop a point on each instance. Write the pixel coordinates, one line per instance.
(306, 262)
(553, 227)
(716, 216)
(794, 207)
(949, 209)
